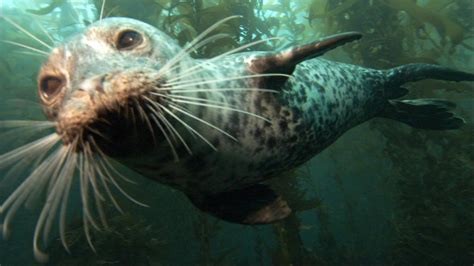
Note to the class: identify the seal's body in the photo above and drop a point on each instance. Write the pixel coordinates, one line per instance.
(306, 116)
(215, 129)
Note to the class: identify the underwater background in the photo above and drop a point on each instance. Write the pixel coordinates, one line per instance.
(383, 194)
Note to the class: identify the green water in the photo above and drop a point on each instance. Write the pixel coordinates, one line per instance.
(383, 194)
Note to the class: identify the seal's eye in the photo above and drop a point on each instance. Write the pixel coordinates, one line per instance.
(129, 39)
(50, 86)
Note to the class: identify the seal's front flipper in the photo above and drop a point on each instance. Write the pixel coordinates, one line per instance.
(257, 204)
(284, 62)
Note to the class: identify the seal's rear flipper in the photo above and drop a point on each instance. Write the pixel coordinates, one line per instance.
(424, 113)
(284, 62)
(416, 72)
(257, 204)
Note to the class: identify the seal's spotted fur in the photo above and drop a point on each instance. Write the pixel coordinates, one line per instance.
(316, 103)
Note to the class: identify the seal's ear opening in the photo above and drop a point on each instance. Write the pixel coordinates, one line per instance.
(284, 62)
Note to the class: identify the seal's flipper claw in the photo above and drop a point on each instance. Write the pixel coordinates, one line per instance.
(285, 61)
(257, 204)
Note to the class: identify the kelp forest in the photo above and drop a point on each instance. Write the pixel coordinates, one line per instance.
(383, 194)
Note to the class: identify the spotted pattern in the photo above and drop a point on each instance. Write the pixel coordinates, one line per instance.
(322, 101)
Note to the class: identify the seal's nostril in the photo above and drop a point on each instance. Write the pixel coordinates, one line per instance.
(93, 85)
(99, 87)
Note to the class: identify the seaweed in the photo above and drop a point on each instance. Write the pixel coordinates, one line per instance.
(129, 240)
(48, 9)
(205, 229)
(434, 184)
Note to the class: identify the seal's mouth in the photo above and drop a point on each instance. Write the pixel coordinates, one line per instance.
(110, 109)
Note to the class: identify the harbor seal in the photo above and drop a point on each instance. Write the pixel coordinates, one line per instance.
(214, 129)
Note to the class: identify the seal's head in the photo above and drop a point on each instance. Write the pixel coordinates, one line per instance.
(101, 73)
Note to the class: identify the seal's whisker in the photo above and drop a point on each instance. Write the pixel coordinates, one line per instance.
(189, 127)
(165, 134)
(14, 24)
(18, 197)
(209, 30)
(64, 203)
(32, 148)
(98, 198)
(56, 160)
(176, 133)
(30, 53)
(53, 41)
(102, 8)
(91, 176)
(203, 121)
(106, 173)
(192, 98)
(177, 66)
(200, 67)
(88, 234)
(99, 202)
(104, 181)
(98, 133)
(170, 127)
(38, 51)
(16, 171)
(25, 123)
(174, 64)
(29, 161)
(107, 161)
(206, 41)
(147, 122)
(221, 107)
(180, 137)
(186, 84)
(85, 177)
(25, 103)
(90, 170)
(216, 90)
(57, 193)
(21, 132)
(196, 40)
(133, 117)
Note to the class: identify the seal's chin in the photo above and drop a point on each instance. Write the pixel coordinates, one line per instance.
(123, 132)
(117, 130)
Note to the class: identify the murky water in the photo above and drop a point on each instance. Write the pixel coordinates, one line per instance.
(383, 194)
